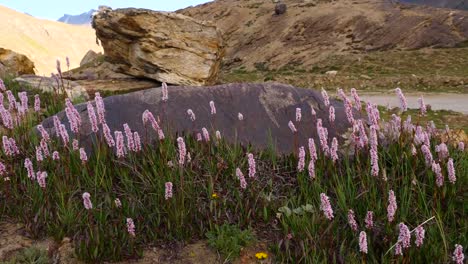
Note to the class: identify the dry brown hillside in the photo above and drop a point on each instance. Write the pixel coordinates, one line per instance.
(312, 30)
(44, 41)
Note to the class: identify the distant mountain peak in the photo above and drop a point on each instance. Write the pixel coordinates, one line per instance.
(81, 19)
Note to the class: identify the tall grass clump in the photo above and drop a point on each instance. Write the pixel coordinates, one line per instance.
(392, 192)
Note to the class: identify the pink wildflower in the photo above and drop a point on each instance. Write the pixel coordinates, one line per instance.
(131, 227)
(206, 135)
(419, 234)
(182, 150)
(311, 169)
(422, 106)
(168, 192)
(451, 171)
(438, 172)
(334, 150)
(357, 100)
(2, 86)
(461, 146)
(164, 92)
(252, 169)
(29, 167)
(13, 146)
(191, 115)
(326, 99)
(352, 220)
(363, 242)
(137, 141)
(240, 176)
(331, 115)
(369, 220)
(129, 136)
(405, 236)
(301, 162)
(374, 162)
(88, 205)
(39, 156)
(161, 134)
(120, 144)
(44, 133)
(64, 134)
(55, 155)
(199, 137)
(83, 156)
(218, 135)
(292, 127)
(427, 155)
(240, 116)
(398, 249)
(401, 96)
(75, 144)
(458, 255)
(213, 108)
(325, 206)
(2, 168)
(312, 149)
(322, 136)
(41, 179)
(349, 111)
(57, 125)
(6, 146)
(101, 112)
(442, 151)
(24, 100)
(107, 135)
(363, 140)
(298, 114)
(392, 206)
(92, 118)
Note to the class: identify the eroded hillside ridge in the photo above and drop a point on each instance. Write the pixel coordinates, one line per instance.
(312, 30)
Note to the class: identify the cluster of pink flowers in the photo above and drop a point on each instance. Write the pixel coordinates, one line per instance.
(73, 116)
(218, 135)
(357, 100)
(165, 95)
(129, 136)
(404, 239)
(75, 144)
(240, 176)
(182, 150)
(168, 191)
(363, 242)
(419, 233)
(392, 206)
(325, 206)
(352, 220)
(107, 135)
(131, 227)
(191, 115)
(292, 127)
(252, 165)
(458, 255)
(83, 156)
(401, 96)
(326, 98)
(206, 134)
(41, 179)
(92, 118)
(213, 108)
(312, 149)
(427, 154)
(451, 171)
(101, 112)
(88, 205)
(374, 151)
(442, 151)
(311, 169)
(301, 162)
(349, 111)
(334, 149)
(369, 220)
(9, 146)
(44, 134)
(29, 168)
(2, 168)
(298, 114)
(137, 141)
(55, 155)
(461, 146)
(39, 156)
(331, 115)
(422, 106)
(323, 136)
(120, 144)
(438, 172)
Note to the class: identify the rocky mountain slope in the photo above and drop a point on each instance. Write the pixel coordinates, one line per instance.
(312, 30)
(81, 19)
(45, 41)
(455, 4)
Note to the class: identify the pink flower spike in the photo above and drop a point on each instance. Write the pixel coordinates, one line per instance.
(108, 135)
(29, 167)
(206, 135)
(131, 227)
(363, 242)
(92, 117)
(240, 116)
(301, 162)
(41, 179)
(64, 135)
(331, 116)
(325, 206)
(182, 150)
(83, 156)
(37, 103)
(165, 95)
(458, 255)
(168, 192)
(44, 133)
(398, 249)
(427, 155)
(438, 172)
(161, 134)
(334, 150)
(120, 144)
(422, 106)
(218, 135)
(213, 108)
(75, 144)
(199, 137)
(298, 114)
(369, 220)
(357, 100)
(419, 234)
(88, 205)
(352, 220)
(55, 155)
(326, 99)
(191, 115)
(101, 112)
(311, 169)
(451, 171)
(461, 146)
(137, 140)
(129, 136)
(2, 168)
(401, 96)
(312, 149)
(392, 206)
(240, 176)
(292, 127)
(39, 156)
(405, 236)
(252, 169)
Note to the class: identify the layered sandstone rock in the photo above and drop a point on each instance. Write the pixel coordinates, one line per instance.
(12, 63)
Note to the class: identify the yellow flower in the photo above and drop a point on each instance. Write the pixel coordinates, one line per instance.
(214, 196)
(261, 255)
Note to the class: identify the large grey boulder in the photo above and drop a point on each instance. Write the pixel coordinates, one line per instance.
(267, 108)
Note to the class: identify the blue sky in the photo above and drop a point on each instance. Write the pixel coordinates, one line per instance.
(54, 9)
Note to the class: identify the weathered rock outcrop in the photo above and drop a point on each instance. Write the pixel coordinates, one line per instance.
(47, 84)
(15, 64)
(90, 56)
(166, 47)
(267, 109)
